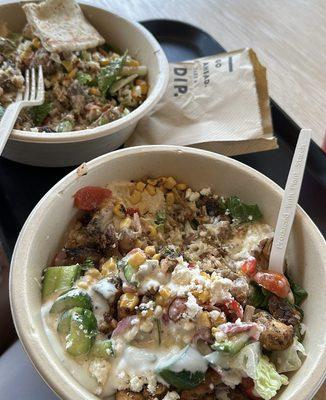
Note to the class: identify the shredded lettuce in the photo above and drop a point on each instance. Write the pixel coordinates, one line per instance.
(267, 380)
(289, 359)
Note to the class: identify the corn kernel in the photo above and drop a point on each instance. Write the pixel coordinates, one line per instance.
(138, 243)
(119, 210)
(140, 186)
(128, 301)
(152, 181)
(82, 284)
(104, 62)
(68, 65)
(156, 256)
(163, 297)
(93, 272)
(36, 43)
(137, 259)
(132, 63)
(143, 85)
(181, 186)
(204, 320)
(150, 250)
(202, 296)
(135, 197)
(72, 73)
(94, 91)
(170, 198)
(152, 232)
(205, 275)
(109, 267)
(170, 183)
(150, 189)
(125, 223)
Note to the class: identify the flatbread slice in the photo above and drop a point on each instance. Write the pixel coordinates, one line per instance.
(61, 25)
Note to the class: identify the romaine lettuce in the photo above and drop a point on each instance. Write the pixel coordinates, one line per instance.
(267, 380)
(289, 359)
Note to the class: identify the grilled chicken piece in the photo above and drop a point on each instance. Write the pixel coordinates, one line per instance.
(283, 311)
(276, 336)
(128, 395)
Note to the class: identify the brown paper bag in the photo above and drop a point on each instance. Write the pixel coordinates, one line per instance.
(218, 103)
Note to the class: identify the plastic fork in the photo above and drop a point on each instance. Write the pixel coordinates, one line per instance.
(33, 96)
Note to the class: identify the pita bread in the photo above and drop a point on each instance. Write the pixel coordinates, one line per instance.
(61, 25)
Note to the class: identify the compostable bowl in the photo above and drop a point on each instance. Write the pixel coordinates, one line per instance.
(72, 148)
(42, 233)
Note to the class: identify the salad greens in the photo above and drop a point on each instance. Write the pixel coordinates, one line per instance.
(2, 111)
(238, 210)
(109, 74)
(39, 113)
(299, 293)
(267, 380)
(84, 78)
(289, 359)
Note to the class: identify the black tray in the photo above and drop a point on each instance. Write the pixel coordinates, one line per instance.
(21, 186)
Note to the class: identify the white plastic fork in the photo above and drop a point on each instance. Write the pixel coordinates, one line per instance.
(33, 96)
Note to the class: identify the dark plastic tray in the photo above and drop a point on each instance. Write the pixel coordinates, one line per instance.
(22, 186)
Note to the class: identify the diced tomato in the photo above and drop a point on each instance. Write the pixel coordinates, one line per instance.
(247, 387)
(131, 211)
(249, 266)
(232, 310)
(273, 282)
(89, 198)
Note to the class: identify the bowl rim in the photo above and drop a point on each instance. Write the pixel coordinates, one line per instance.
(155, 95)
(50, 370)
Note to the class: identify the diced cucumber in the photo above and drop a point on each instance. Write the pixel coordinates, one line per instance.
(71, 299)
(59, 279)
(102, 349)
(82, 332)
(184, 370)
(128, 271)
(64, 322)
(232, 345)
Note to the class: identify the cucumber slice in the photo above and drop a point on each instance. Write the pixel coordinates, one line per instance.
(71, 299)
(128, 271)
(83, 329)
(59, 279)
(65, 320)
(184, 370)
(102, 349)
(232, 345)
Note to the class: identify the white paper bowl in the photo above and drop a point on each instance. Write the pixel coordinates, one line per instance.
(43, 231)
(72, 148)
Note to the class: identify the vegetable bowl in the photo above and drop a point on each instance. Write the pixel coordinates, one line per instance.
(138, 247)
(93, 97)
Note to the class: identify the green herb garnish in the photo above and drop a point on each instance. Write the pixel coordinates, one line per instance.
(87, 264)
(84, 78)
(299, 293)
(242, 212)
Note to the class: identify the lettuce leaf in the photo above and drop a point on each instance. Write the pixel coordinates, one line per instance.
(243, 212)
(108, 75)
(39, 113)
(84, 78)
(267, 380)
(299, 293)
(289, 359)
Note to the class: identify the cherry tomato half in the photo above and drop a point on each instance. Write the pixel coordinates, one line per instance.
(249, 266)
(89, 198)
(273, 282)
(232, 310)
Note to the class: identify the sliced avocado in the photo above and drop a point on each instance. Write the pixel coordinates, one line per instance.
(184, 370)
(82, 332)
(71, 299)
(59, 279)
(232, 345)
(102, 349)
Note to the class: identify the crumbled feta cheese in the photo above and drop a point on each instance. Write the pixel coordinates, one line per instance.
(214, 315)
(219, 289)
(192, 307)
(99, 368)
(171, 396)
(194, 196)
(136, 383)
(151, 382)
(123, 381)
(182, 274)
(205, 191)
(146, 326)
